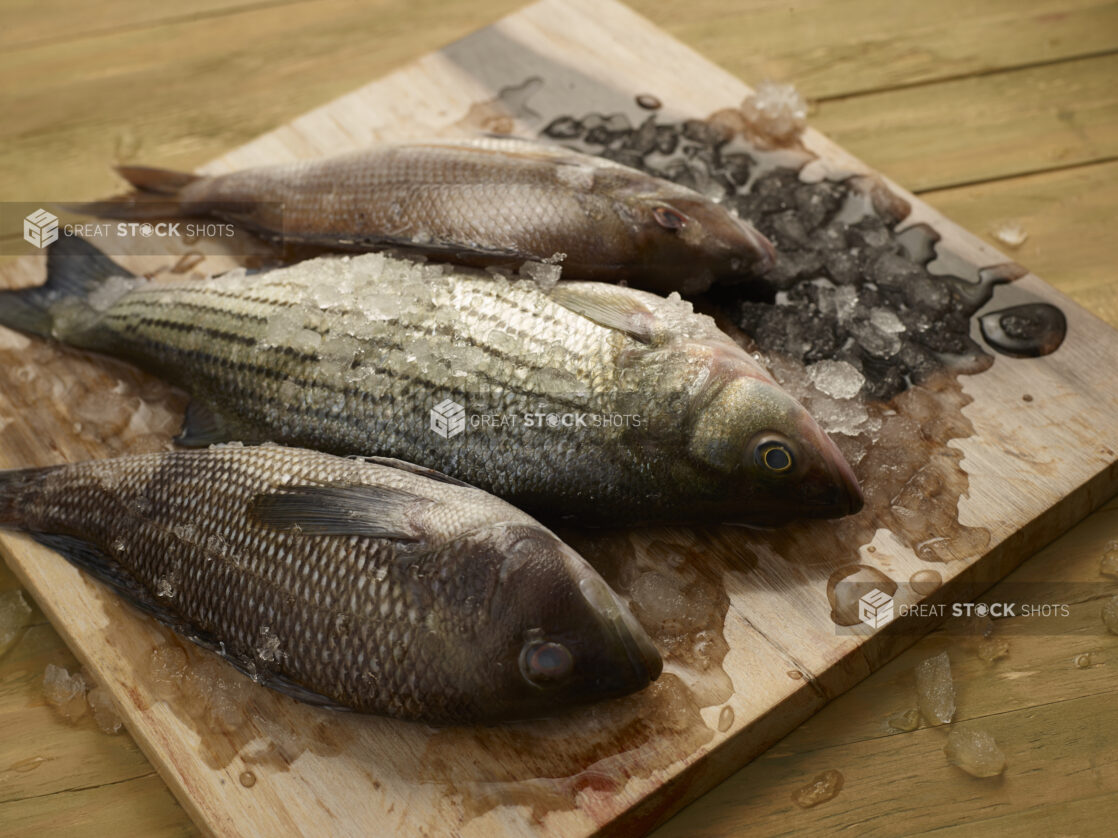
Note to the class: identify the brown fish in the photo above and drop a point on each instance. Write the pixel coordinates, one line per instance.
(371, 585)
(480, 202)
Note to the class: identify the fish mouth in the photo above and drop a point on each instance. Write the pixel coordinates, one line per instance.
(841, 493)
(751, 251)
(849, 488)
(832, 489)
(619, 623)
(763, 249)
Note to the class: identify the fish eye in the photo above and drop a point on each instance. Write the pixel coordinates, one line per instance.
(669, 218)
(545, 663)
(774, 456)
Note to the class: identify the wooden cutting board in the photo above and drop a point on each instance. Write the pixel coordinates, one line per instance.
(744, 618)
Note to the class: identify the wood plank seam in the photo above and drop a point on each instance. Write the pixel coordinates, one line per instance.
(952, 77)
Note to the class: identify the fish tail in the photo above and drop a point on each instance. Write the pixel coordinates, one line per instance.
(13, 484)
(75, 269)
(159, 181)
(159, 195)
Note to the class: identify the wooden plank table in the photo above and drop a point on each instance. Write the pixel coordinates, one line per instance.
(1043, 155)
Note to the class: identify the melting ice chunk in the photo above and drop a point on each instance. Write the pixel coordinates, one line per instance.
(104, 710)
(886, 320)
(823, 788)
(15, 614)
(935, 691)
(777, 111)
(544, 275)
(974, 751)
(65, 692)
(1110, 615)
(838, 379)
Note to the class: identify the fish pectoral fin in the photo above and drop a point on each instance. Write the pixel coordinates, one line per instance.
(377, 511)
(403, 465)
(94, 561)
(608, 306)
(202, 426)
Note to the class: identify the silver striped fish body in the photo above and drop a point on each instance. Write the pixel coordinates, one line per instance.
(365, 585)
(601, 403)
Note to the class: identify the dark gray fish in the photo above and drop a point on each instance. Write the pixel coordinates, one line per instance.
(598, 402)
(371, 585)
(480, 202)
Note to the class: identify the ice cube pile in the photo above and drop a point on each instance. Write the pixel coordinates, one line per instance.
(847, 286)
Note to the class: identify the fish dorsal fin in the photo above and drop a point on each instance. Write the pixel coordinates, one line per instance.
(608, 306)
(412, 468)
(377, 511)
(202, 426)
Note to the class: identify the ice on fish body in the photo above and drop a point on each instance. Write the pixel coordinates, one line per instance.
(578, 177)
(105, 295)
(935, 690)
(269, 650)
(974, 751)
(544, 275)
(15, 614)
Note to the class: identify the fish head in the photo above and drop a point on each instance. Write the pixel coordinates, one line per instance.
(770, 460)
(554, 634)
(688, 242)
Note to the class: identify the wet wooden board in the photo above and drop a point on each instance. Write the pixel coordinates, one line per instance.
(1030, 474)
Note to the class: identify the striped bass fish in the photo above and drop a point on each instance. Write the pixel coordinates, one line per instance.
(479, 202)
(368, 585)
(595, 402)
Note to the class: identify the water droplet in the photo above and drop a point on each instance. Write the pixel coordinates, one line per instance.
(906, 720)
(848, 585)
(924, 582)
(649, 102)
(725, 718)
(248, 779)
(1025, 331)
(823, 788)
(1083, 661)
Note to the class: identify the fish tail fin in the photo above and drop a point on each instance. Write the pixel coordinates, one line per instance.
(159, 195)
(75, 269)
(159, 181)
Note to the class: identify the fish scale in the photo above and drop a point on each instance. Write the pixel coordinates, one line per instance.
(482, 202)
(593, 402)
(413, 623)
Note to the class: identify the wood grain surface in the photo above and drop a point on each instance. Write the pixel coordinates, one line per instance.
(1070, 178)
